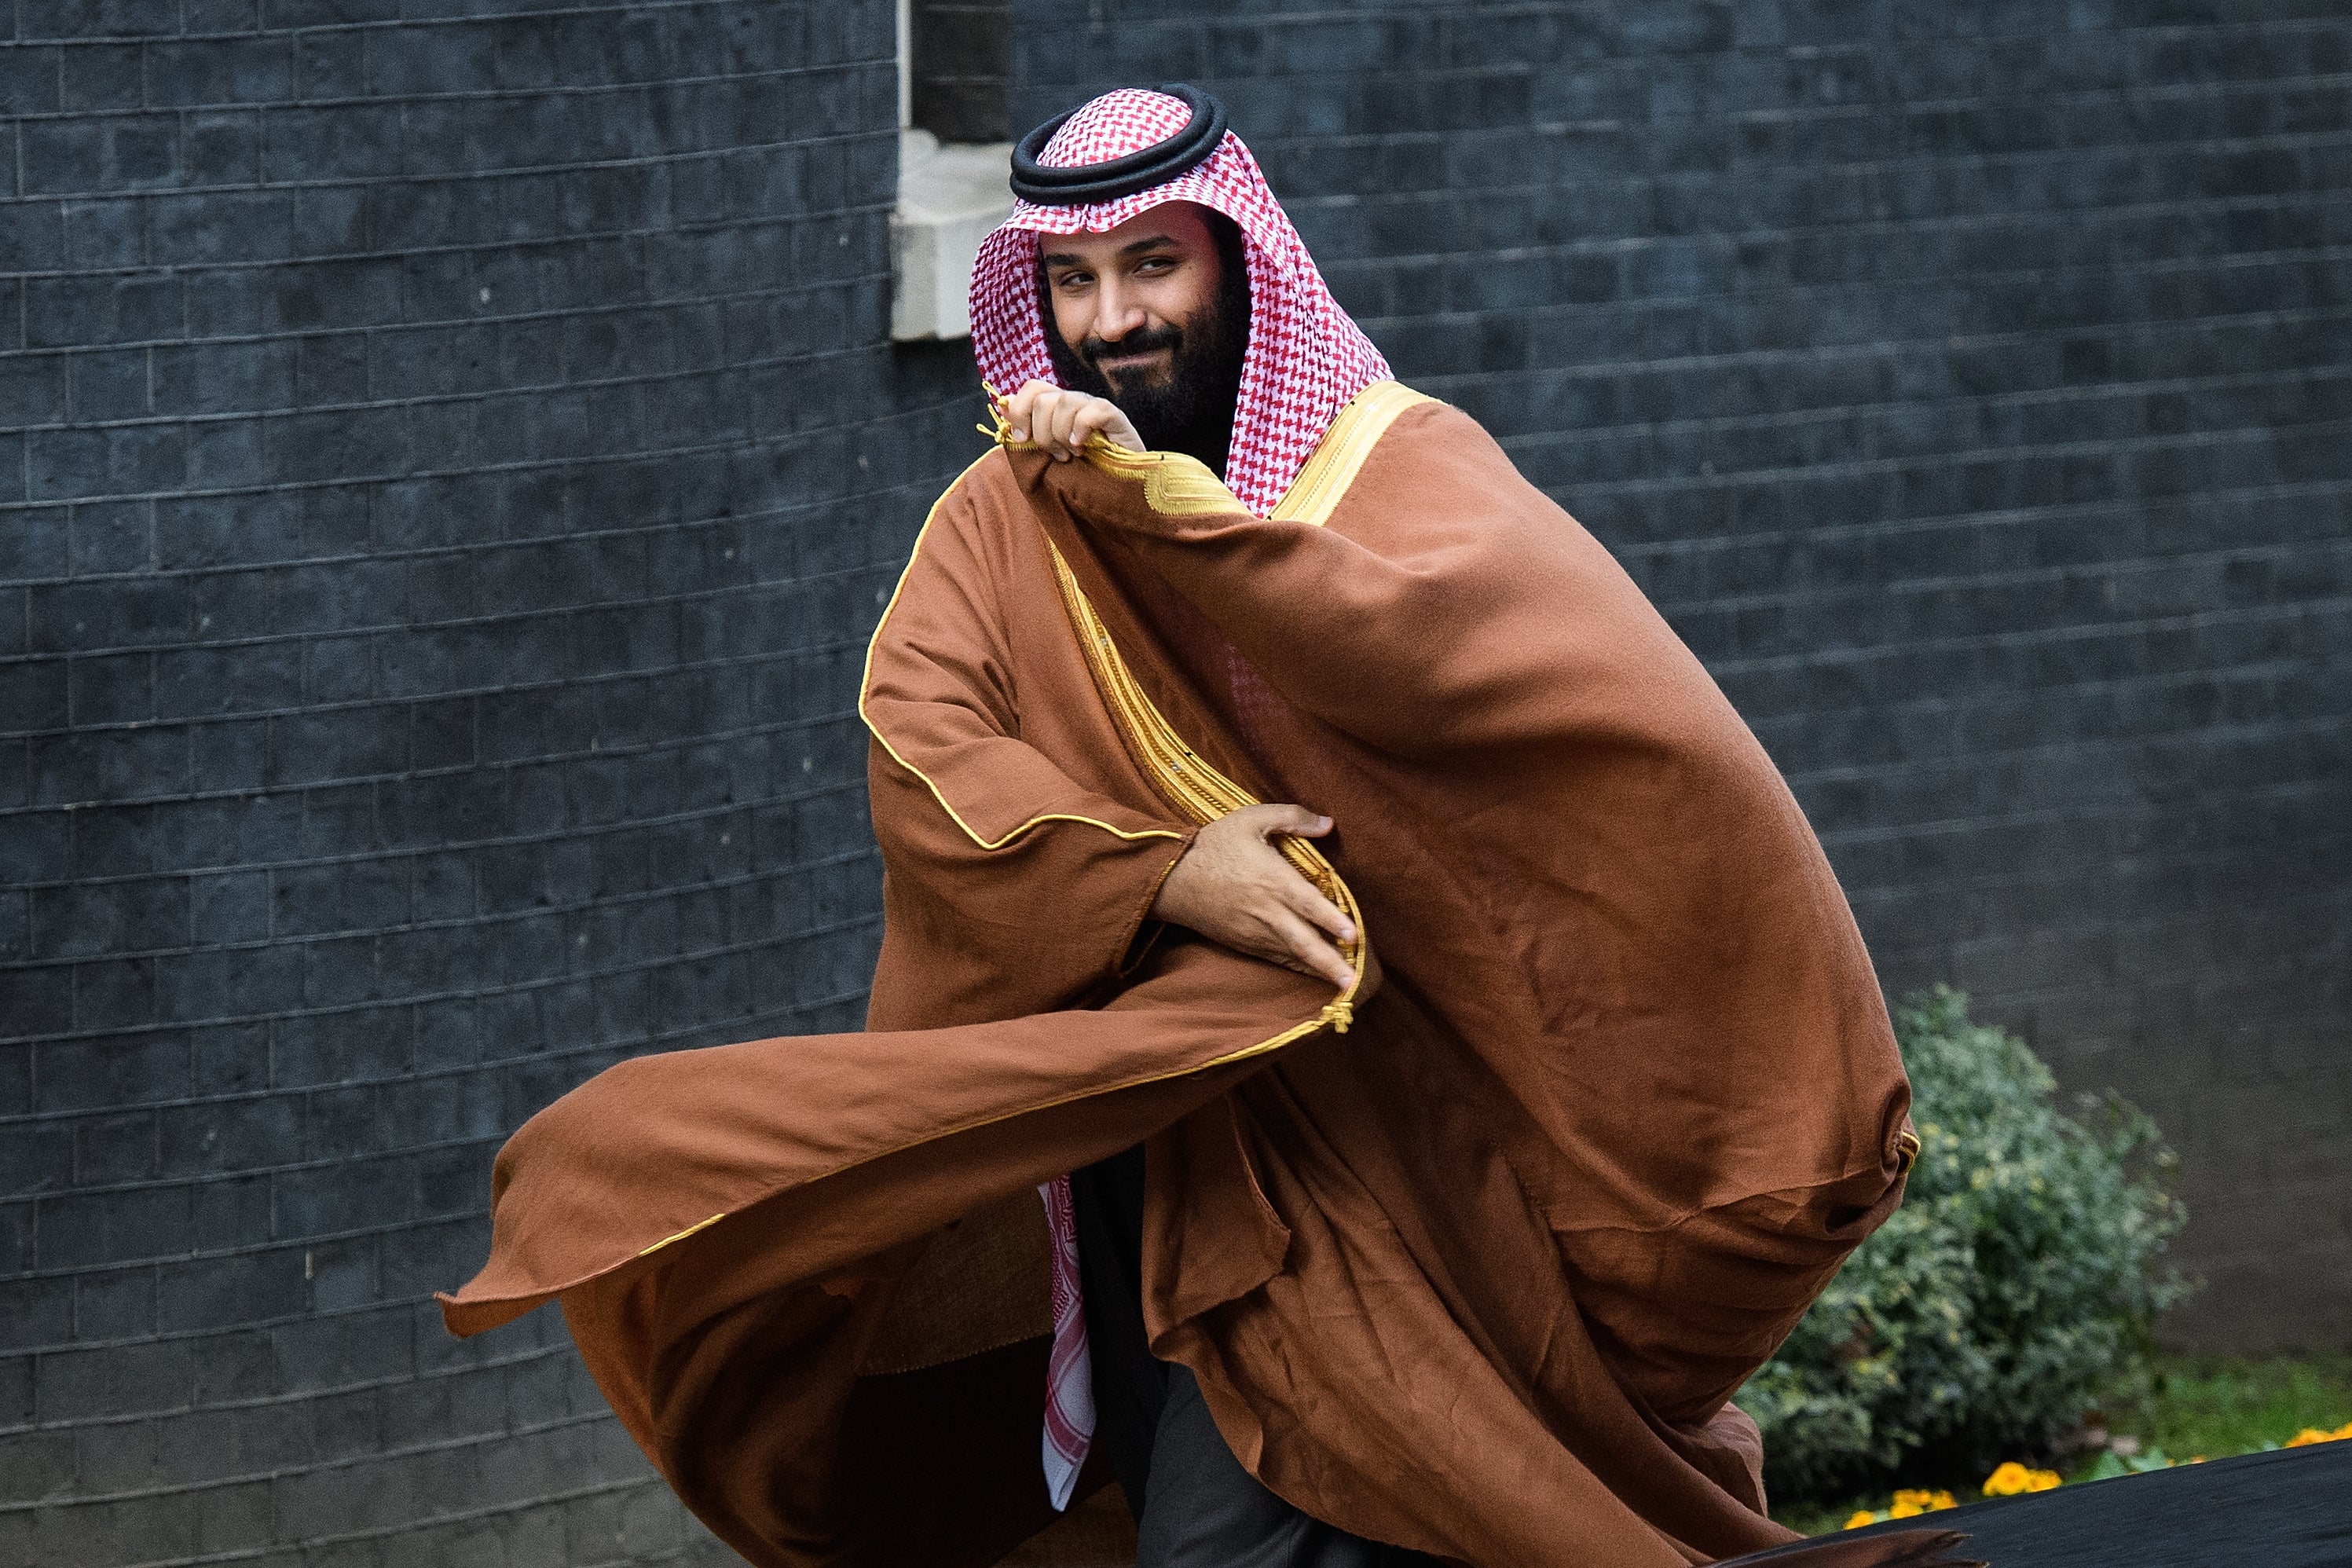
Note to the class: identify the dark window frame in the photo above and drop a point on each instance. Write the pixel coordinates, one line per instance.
(960, 77)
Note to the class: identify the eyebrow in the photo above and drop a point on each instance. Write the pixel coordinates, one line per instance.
(1132, 247)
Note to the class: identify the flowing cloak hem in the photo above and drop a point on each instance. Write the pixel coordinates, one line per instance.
(676, 1201)
(1181, 1021)
(1460, 1281)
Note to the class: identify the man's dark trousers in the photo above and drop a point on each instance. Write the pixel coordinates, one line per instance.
(1194, 1504)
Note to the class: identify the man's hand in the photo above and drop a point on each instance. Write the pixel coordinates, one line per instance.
(1234, 888)
(1061, 421)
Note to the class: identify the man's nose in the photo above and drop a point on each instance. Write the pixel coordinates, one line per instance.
(1116, 313)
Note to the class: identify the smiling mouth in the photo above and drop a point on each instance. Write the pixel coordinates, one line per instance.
(1115, 362)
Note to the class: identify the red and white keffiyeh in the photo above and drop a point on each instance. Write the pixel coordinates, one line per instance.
(1306, 357)
(1306, 360)
(1070, 1379)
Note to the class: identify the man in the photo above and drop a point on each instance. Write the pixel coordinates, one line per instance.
(1233, 657)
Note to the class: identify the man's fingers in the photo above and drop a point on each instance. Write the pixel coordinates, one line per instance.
(1041, 411)
(1307, 903)
(1297, 893)
(1095, 418)
(1105, 418)
(1073, 421)
(1234, 886)
(1088, 417)
(1119, 429)
(1311, 954)
(1020, 409)
(1063, 419)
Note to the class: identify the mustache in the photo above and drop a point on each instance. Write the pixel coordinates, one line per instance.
(1142, 341)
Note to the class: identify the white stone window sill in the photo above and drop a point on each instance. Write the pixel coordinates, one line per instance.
(948, 199)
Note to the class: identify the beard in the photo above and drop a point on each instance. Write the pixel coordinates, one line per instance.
(1189, 407)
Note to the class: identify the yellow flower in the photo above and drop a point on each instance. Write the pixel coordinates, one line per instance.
(2009, 1480)
(1862, 1516)
(1924, 1500)
(2310, 1435)
(1904, 1509)
(2345, 1430)
(2013, 1478)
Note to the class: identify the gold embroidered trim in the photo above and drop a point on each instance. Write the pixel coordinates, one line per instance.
(865, 684)
(689, 1230)
(1335, 463)
(1175, 484)
(1199, 790)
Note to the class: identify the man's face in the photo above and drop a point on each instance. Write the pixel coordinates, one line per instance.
(1123, 299)
(1147, 318)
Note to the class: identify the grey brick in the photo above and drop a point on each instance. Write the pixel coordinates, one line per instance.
(82, 1231)
(68, 464)
(33, 697)
(72, 311)
(111, 538)
(220, 1293)
(88, 618)
(114, 1148)
(29, 78)
(220, 70)
(102, 76)
(83, 920)
(32, 240)
(84, 157)
(233, 1215)
(108, 385)
(222, 16)
(116, 1304)
(91, 18)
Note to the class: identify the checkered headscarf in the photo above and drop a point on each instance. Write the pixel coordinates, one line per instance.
(1306, 358)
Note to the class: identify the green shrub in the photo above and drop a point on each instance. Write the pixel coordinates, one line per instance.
(2021, 1272)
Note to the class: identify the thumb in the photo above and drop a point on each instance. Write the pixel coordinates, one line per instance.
(1295, 820)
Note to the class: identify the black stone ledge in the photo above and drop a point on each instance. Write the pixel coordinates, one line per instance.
(2292, 1509)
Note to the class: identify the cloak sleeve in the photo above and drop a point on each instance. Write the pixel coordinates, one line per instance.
(1010, 887)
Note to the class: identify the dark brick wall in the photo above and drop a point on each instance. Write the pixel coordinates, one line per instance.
(450, 469)
(448, 465)
(1970, 383)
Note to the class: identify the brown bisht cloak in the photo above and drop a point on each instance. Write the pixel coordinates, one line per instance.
(1476, 1276)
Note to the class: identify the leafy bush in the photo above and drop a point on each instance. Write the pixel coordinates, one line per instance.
(2021, 1272)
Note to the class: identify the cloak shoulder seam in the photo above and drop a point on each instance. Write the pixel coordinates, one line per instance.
(866, 682)
(1331, 468)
